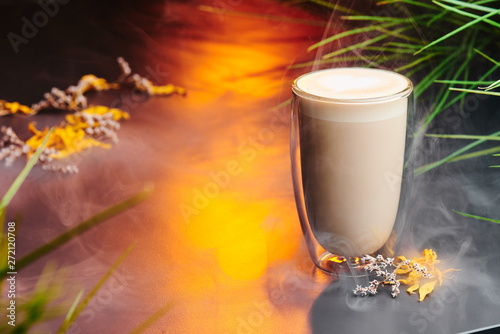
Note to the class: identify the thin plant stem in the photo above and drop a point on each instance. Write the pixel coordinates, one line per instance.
(79, 229)
(456, 31)
(428, 167)
(69, 320)
(477, 217)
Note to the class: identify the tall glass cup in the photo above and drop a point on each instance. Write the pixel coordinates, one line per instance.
(348, 142)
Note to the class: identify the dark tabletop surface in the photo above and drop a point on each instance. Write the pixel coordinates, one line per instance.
(237, 263)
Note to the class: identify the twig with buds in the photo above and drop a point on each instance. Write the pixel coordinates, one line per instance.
(380, 266)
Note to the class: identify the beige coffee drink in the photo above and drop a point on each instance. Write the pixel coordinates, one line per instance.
(352, 129)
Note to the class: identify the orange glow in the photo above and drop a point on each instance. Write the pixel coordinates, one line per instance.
(226, 208)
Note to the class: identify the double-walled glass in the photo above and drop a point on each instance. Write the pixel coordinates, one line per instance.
(348, 158)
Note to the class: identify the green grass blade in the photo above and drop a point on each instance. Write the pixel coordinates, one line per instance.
(335, 6)
(463, 82)
(69, 321)
(397, 35)
(477, 217)
(152, 319)
(377, 18)
(71, 311)
(434, 74)
(22, 176)
(492, 86)
(456, 31)
(404, 45)
(475, 91)
(477, 154)
(444, 93)
(388, 49)
(415, 70)
(475, 6)
(487, 57)
(416, 62)
(462, 137)
(449, 104)
(347, 33)
(466, 14)
(79, 229)
(428, 167)
(360, 45)
(409, 2)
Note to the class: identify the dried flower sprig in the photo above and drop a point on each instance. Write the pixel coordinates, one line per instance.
(88, 127)
(73, 98)
(11, 108)
(417, 269)
(91, 127)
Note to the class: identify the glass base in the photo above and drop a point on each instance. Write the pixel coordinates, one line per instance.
(340, 266)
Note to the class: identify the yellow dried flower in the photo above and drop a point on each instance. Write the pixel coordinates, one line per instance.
(419, 273)
(91, 82)
(167, 90)
(416, 274)
(425, 290)
(87, 127)
(64, 140)
(7, 108)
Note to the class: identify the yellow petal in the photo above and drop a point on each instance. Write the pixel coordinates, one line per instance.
(402, 258)
(426, 289)
(403, 270)
(429, 255)
(413, 288)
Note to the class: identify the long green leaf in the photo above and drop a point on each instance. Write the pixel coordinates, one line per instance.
(466, 14)
(487, 57)
(24, 173)
(477, 217)
(456, 31)
(463, 82)
(442, 100)
(494, 85)
(462, 136)
(435, 73)
(347, 33)
(483, 77)
(484, 92)
(409, 2)
(417, 61)
(335, 6)
(152, 319)
(69, 320)
(428, 167)
(360, 45)
(476, 154)
(79, 229)
(71, 311)
(470, 5)
(377, 18)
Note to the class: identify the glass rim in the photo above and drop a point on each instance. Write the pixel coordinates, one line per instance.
(385, 98)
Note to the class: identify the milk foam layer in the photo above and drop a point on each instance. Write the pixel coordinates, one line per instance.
(353, 83)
